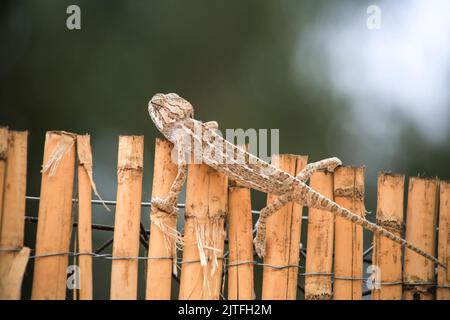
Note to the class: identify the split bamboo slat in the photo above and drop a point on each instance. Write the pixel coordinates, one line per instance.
(443, 276)
(124, 272)
(387, 255)
(283, 239)
(319, 253)
(13, 264)
(159, 271)
(348, 244)
(84, 237)
(54, 228)
(3, 156)
(206, 209)
(421, 216)
(240, 243)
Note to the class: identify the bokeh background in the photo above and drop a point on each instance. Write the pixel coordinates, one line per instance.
(312, 69)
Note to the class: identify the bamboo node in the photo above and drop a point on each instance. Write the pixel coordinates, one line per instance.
(355, 193)
(319, 296)
(389, 223)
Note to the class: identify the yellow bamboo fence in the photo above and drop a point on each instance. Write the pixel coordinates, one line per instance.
(206, 252)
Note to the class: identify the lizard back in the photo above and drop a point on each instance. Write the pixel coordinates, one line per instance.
(239, 164)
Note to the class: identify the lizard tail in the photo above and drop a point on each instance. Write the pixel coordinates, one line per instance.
(318, 201)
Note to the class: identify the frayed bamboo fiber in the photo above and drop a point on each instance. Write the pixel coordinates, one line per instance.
(387, 255)
(319, 256)
(421, 231)
(283, 239)
(240, 243)
(159, 271)
(55, 216)
(443, 277)
(206, 207)
(85, 216)
(124, 273)
(348, 243)
(12, 264)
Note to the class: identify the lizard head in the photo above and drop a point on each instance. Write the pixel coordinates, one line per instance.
(166, 110)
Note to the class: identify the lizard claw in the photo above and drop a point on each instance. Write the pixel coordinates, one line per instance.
(164, 205)
(260, 247)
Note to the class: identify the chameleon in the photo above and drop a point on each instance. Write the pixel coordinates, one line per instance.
(174, 118)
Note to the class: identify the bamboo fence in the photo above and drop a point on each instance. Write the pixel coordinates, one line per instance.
(207, 251)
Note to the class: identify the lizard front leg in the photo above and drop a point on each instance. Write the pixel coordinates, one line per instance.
(169, 203)
(266, 212)
(329, 164)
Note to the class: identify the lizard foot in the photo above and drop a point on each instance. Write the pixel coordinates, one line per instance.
(260, 247)
(164, 205)
(336, 162)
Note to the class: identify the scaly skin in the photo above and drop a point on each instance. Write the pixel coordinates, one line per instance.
(173, 117)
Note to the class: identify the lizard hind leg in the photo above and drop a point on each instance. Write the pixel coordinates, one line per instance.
(329, 164)
(266, 212)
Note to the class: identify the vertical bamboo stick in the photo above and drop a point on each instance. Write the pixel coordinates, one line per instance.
(294, 236)
(283, 239)
(159, 271)
(240, 243)
(12, 264)
(124, 273)
(55, 216)
(443, 290)
(206, 207)
(319, 256)
(421, 231)
(387, 255)
(348, 244)
(11, 274)
(84, 216)
(3, 156)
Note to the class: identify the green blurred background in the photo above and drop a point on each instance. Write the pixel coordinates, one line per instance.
(310, 68)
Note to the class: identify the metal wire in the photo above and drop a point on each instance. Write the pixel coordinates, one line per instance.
(144, 235)
(143, 204)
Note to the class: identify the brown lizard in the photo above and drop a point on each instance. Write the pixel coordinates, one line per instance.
(173, 116)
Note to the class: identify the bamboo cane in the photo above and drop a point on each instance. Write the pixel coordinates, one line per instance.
(206, 207)
(159, 271)
(348, 244)
(283, 239)
(319, 256)
(12, 264)
(443, 290)
(418, 274)
(240, 276)
(3, 156)
(124, 272)
(84, 216)
(387, 255)
(55, 216)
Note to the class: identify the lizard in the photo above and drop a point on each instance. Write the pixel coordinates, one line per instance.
(174, 118)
